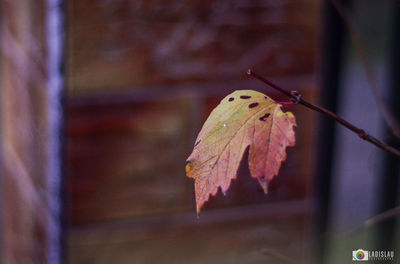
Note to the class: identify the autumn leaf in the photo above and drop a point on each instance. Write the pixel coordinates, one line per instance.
(242, 119)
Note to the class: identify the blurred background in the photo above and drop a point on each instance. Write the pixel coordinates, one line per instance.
(101, 101)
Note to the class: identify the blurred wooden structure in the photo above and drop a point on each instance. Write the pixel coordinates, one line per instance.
(143, 76)
(29, 137)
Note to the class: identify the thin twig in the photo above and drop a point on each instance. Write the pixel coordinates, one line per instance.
(360, 132)
(382, 217)
(371, 222)
(371, 75)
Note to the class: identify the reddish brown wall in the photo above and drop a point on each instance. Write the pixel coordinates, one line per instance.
(143, 76)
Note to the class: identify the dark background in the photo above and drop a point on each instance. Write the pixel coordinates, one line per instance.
(140, 79)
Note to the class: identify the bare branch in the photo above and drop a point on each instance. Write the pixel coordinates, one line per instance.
(371, 222)
(298, 99)
(367, 66)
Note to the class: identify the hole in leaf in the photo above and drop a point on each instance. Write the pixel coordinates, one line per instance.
(245, 97)
(252, 105)
(264, 117)
(231, 99)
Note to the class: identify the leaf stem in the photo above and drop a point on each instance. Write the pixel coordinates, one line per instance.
(360, 132)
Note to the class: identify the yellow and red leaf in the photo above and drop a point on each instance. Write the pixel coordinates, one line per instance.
(243, 119)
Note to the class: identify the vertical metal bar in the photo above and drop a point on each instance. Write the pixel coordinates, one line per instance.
(55, 81)
(1, 150)
(63, 190)
(330, 64)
